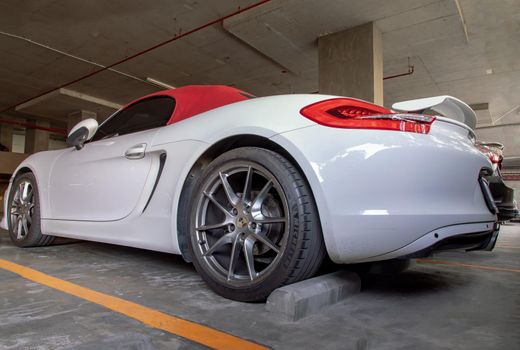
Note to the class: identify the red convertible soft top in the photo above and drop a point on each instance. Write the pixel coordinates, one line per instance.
(194, 99)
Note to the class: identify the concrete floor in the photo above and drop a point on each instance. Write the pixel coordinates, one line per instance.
(427, 307)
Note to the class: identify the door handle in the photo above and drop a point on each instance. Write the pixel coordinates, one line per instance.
(136, 152)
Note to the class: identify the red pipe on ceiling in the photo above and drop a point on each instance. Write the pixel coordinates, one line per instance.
(411, 70)
(176, 37)
(33, 126)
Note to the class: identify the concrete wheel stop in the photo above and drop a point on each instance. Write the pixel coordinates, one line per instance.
(298, 300)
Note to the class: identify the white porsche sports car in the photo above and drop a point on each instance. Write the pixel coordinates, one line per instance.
(256, 192)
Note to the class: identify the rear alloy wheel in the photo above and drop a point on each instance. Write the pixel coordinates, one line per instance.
(254, 225)
(24, 213)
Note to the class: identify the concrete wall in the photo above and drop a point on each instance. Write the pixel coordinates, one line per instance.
(56, 144)
(18, 143)
(351, 63)
(9, 161)
(3, 187)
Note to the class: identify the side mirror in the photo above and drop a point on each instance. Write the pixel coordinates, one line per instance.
(82, 132)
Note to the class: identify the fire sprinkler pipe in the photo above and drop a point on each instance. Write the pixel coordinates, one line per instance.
(411, 70)
(174, 38)
(34, 126)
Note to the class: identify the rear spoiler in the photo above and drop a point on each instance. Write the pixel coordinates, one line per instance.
(447, 106)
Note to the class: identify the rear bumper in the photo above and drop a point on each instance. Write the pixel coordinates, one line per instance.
(503, 197)
(451, 238)
(385, 194)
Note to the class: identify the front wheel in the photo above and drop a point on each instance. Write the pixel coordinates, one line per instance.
(254, 225)
(24, 213)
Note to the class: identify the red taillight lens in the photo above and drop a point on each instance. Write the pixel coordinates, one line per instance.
(350, 113)
(493, 153)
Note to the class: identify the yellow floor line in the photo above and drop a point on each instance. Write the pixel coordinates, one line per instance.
(454, 263)
(190, 330)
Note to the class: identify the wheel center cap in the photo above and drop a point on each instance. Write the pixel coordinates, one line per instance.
(242, 222)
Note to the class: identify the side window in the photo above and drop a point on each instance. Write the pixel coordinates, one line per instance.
(143, 115)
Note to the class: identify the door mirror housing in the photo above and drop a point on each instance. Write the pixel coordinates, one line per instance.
(82, 132)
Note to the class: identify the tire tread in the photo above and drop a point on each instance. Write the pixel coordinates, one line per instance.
(309, 257)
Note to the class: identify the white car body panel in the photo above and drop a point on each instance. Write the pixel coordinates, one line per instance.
(376, 191)
(390, 186)
(76, 174)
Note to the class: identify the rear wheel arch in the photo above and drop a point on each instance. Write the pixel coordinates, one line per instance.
(206, 158)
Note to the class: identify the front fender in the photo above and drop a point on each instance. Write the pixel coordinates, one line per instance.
(40, 165)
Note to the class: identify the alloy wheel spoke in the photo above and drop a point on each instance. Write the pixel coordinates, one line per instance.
(248, 254)
(25, 226)
(19, 234)
(20, 192)
(217, 204)
(212, 226)
(246, 194)
(230, 193)
(268, 220)
(225, 239)
(253, 206)
(24, 191)
(15, 210)
(266, 241)
(260, 198)
(235, 254)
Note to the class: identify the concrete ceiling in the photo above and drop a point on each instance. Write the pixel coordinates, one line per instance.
(270, 49)
(59, 103)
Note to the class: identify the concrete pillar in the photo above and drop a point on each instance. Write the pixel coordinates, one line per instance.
(37, 140)
(77, 116)
(6, 136)
(351, 63)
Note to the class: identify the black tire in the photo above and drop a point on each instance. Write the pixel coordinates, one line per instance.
(302, 251)
(390, 267)
(33, 237)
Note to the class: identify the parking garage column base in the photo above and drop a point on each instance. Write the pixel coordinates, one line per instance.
(298, 300)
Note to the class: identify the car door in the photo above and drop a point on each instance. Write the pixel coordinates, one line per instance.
(104, 180)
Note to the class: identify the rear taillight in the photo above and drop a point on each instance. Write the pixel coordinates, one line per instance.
(493, 151)
(350, 113)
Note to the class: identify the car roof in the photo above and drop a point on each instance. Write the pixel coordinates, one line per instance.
(195, 99)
